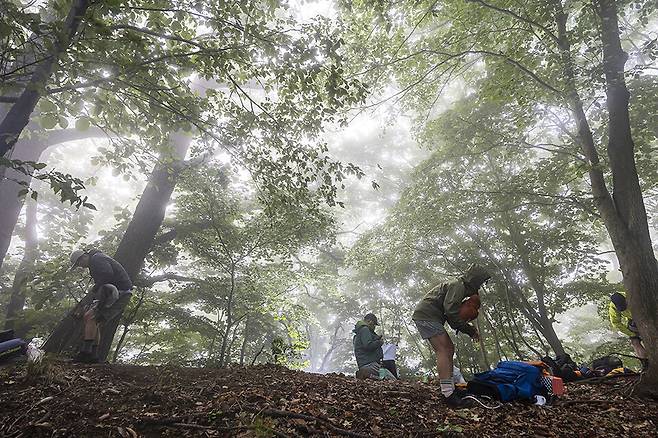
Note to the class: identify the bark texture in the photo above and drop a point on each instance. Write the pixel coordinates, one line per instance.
(632, 243)
(25, 268)
(623, 211)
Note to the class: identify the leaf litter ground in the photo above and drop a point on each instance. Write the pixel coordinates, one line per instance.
(260, 401)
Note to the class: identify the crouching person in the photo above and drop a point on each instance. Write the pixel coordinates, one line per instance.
(111, 291)
(456, 303)
(368, 350)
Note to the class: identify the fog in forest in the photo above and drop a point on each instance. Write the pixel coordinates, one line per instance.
(317, 161)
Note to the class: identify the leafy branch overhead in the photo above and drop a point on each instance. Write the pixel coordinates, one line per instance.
(67, 187)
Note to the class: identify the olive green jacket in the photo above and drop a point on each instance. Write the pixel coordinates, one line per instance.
(441, 304)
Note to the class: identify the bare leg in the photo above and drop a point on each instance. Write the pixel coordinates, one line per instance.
(91, 327)
(444, 350)
(638, 348)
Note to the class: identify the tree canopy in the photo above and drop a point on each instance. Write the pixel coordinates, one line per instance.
(268, 178)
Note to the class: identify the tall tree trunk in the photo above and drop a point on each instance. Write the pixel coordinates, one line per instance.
(245, 340)
(138, 239)
(515, 324)
(538, 317)
(332, 346)
(17, 299)
(541, 319)
(9, 188)
(511, 341)
(623, 212)
(229, 319)
(633, 247)
(126, 326)
(20, 112)
(495, 335)
(231, 344)
(485, 364)
(134, 246)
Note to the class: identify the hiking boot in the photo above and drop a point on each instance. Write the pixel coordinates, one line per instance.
(457, 401)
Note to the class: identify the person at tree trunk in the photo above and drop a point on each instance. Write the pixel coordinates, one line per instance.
(388, 351)
(622, 320)
(368, 350)
(111, 288)
(456, 303)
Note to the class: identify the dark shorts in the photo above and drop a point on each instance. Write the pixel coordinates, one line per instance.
(427, 329)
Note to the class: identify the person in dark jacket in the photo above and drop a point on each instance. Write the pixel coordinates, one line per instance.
(456, 303)
(111, 290)
(368, 348)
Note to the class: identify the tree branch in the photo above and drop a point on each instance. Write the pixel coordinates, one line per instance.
(518, 17)
(150, 281)
(57, 136)
(156, 34)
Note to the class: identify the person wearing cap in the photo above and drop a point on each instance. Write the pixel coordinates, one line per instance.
(368, 349)
(111, 289)
(622, 320)
(456, 303)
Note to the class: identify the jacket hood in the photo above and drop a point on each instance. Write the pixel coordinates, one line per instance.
(476, 276)
(619, 300)
(92, 252)
(358, 326)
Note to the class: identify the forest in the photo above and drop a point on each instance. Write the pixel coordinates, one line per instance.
(267, 172)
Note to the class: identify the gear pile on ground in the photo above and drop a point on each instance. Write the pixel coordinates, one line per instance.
(64, 400)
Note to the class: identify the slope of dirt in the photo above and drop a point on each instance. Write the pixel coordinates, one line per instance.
(128, 401)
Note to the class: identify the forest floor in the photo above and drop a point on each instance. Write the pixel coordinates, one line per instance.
(63, 399)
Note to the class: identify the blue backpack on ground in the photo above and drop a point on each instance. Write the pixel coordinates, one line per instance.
(12, 348)
(510, 380)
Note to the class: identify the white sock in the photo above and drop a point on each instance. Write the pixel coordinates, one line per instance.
(447, 387)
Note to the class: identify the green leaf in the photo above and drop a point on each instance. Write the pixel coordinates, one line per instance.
(82, 124)
(47, 106)
(48, 121)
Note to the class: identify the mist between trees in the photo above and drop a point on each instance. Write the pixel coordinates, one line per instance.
(267, 179)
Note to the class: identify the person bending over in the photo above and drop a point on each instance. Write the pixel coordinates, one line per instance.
(455, 303)
(111, 289)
